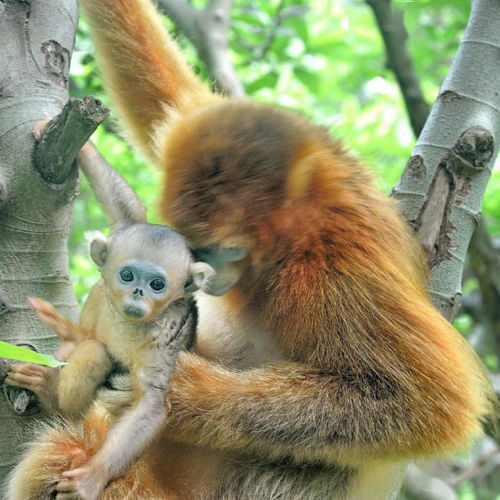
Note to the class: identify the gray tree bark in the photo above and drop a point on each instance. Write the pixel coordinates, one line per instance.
(38, 183)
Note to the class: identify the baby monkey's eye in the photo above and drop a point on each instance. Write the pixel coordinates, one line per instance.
(157, 285)
(126, 275)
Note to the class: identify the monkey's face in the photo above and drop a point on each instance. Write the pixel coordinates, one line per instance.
(140, 290)
(227, 264)
(146, 267)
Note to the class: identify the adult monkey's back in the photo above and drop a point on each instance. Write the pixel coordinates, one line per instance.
(329, 365)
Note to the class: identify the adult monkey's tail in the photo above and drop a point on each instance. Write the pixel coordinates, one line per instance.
(61, 446)
(147, 77)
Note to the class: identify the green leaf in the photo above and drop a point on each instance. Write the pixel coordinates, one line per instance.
(311, 80)
(280, 46)
(300, 26)
(19, 353)
(268, 80)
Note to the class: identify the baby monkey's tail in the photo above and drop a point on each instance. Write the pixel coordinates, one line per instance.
(116, 197)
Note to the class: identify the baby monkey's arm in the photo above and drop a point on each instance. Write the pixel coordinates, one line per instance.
(113, 193)
(137, 427)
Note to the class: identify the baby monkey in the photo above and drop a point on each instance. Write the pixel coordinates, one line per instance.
(140, 315)
(137, 318)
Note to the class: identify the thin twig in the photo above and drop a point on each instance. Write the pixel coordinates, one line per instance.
(208, 31)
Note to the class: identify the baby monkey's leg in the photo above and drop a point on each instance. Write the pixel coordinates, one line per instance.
(87, 369)
(117, 396)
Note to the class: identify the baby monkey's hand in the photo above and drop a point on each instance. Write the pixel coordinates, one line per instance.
(87, 483)
(66, 330)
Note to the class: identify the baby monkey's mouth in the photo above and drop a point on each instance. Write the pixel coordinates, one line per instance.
(133, 311)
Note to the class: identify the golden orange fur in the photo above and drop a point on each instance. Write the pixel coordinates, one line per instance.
(326, 367)
(61, 448)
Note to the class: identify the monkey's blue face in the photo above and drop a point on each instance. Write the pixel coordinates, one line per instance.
(141, 289)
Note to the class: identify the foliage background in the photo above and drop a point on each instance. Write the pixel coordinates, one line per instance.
(326, 59)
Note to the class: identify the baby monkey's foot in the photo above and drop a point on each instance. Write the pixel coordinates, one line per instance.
(38, 128)
(84, 483)
(28, 376)
(42, 380)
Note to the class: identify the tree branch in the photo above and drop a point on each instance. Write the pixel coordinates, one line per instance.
(390, 23)
(208, 31)
(182, 14)
(484, 462)
(485, 263)
(64, 136)
(278, 20)
(393, 31)
(422, 486)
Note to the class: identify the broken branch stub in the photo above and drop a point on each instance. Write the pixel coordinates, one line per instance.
(64, 135)
(470, 154)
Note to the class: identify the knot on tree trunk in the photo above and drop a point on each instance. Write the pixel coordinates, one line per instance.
(473, 149)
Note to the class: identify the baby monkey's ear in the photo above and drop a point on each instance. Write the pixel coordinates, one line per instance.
(200, 275)
(99, 249)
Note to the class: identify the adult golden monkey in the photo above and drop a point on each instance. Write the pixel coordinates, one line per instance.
(325, 367)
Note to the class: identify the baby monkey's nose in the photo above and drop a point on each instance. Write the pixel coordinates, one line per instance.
(139, 291)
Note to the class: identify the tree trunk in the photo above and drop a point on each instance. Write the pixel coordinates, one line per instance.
(36, 40)
(442, 187)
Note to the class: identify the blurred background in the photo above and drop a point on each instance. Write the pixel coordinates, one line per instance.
(327, 59)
